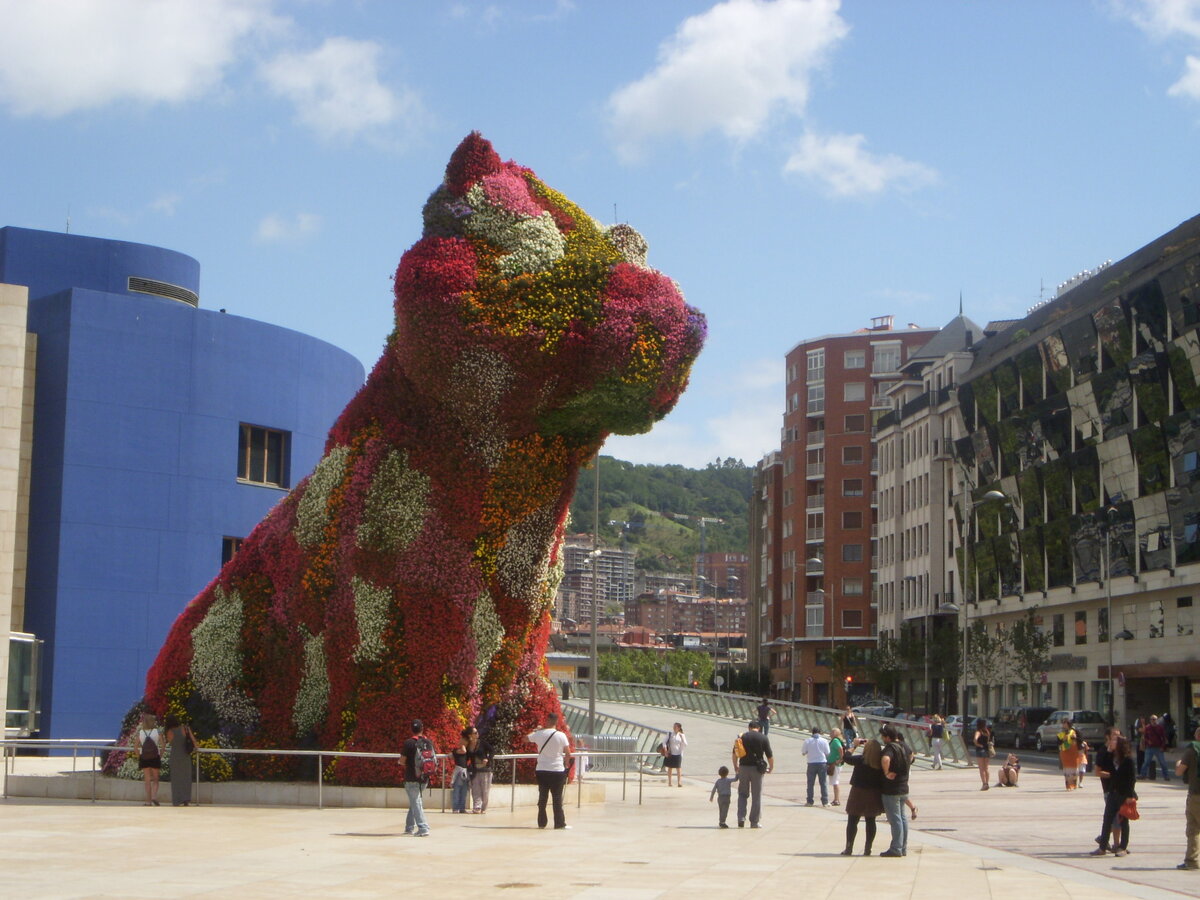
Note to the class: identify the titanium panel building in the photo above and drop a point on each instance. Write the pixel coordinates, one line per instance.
(162, 433)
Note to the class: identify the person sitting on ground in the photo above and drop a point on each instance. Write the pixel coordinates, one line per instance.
(1010, 772)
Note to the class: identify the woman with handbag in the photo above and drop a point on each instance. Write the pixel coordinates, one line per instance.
(984, 749)
(674, 744)
(149, 747)
(182, 742)
(479, 764)
(460, 781)
(837, 751)
(1122, 792)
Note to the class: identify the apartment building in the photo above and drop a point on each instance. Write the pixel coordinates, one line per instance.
(825, 554)
(914, 587)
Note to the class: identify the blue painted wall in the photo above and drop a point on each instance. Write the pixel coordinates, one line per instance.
(134, 481)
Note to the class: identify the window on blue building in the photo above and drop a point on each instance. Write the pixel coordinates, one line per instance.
(262, 455)
(229, 546)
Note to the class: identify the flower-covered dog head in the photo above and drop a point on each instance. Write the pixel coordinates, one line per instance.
(517, 303)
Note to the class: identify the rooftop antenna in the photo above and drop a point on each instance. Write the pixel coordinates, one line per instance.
(615, 219)
(68, 220)
(960, 301)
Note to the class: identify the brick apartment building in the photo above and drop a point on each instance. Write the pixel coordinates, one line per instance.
(822, 561)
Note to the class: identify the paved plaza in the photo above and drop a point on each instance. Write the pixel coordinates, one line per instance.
(1028, 842)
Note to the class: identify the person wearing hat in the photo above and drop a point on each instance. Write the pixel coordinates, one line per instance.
(414, 778)
(755, 762)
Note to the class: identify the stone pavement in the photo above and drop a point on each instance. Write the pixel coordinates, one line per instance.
(1030, 842)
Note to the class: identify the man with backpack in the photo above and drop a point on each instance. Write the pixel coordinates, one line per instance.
(1188, 768)
(420, 763)
(752, 759)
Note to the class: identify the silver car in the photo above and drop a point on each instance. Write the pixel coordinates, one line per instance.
(1088, 724)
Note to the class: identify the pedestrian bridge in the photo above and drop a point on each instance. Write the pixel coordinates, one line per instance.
(793, 718)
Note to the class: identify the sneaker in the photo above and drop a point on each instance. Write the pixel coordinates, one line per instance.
(1188, 865)
(1120, 853)
(1099, 851)
(849, 851)
(836, 803)
(562, 827)
(422, 834)
(722, 825)
(891, 853)
(754, 825)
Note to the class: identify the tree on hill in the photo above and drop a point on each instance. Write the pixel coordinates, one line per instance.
(640, 506)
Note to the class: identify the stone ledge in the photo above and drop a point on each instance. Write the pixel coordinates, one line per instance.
(78, 786)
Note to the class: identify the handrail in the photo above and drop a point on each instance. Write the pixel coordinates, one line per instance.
(10, 746)
(789, 715)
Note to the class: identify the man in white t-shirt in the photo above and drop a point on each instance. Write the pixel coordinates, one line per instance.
(816, 749)
(554, 752)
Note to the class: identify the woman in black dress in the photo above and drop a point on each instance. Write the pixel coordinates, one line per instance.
(865, 800)
(1121, 787)
(180, 761)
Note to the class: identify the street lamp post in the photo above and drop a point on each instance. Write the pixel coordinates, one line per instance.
(792, 645)
(1108, 522)
(594, 663)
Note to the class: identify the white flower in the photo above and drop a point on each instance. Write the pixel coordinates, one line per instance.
(395, 507)
(312, 513)
(217, 658)
(371, 607)
(488, 632)
(312, 697)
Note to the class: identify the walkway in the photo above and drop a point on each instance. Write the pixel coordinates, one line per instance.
(1027, 842)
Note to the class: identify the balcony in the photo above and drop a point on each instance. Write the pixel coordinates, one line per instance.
(814, 534)
(814, 598)
(814, 501)
(815, 437)
(874, 498)
(814, 566)
(880, 401)
(815, 406)
(815, 470)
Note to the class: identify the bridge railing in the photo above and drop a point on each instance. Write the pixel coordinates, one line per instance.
(792, 716)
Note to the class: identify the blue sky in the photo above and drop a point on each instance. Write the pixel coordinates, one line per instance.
(798, 166)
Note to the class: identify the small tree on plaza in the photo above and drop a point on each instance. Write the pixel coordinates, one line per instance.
(1030, 651)
(886, 665)
(986, 652)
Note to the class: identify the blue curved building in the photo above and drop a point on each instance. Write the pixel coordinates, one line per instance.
(162, 433)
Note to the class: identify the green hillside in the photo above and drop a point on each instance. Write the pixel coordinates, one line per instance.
(641, 505)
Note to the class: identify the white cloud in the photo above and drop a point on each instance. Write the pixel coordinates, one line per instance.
(166, 203)
(336, 88)
(1167, 20)
(728, 70)
(63, 56)
(1189, 84)
(1163, 18)
(277, 228)
(842, 166)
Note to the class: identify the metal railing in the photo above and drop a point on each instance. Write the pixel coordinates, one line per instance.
(789, 715)
(637, 761)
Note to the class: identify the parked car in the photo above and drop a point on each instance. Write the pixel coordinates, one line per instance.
(881, 708)
(1016, 726)
(1088, 723)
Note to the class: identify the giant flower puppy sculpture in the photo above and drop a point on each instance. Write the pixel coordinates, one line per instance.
(411, 574)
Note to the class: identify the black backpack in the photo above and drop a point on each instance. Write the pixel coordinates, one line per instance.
(426, 761)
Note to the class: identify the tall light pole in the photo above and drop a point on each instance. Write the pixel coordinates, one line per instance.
(1108, 522)
(792, 645)
(595, 555)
